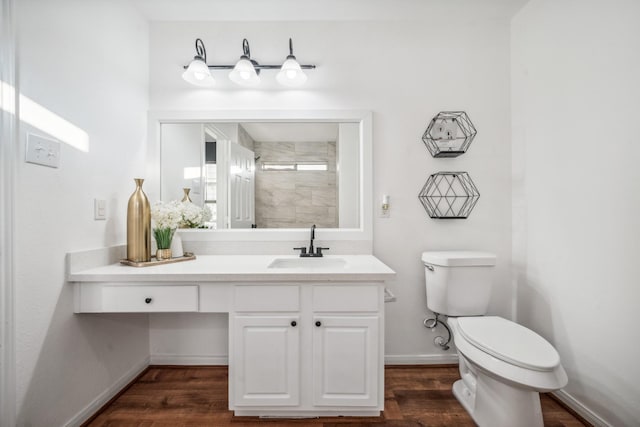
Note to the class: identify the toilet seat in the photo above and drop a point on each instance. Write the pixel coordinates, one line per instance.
(509, 342)
(536, 379)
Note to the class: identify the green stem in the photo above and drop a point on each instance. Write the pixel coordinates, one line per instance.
(163, 237)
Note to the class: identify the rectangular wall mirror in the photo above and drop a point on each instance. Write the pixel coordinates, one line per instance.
(267, 170)
(265, 174)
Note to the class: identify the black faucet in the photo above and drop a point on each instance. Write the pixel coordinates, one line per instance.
(313, 236)
(313, 252)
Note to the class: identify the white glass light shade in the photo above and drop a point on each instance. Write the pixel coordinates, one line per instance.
(291, 74)
(244, 73)
(198, 74)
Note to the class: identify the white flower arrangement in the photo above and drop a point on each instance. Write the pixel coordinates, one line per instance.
(194, 216)
(167, 217)
(174, 214)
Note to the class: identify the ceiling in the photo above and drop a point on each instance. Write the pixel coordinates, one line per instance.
(327, 10)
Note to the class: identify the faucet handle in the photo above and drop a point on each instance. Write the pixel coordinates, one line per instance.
(319, 250)
(303, 250)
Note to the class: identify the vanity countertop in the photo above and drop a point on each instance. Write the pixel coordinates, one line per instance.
(245, 268)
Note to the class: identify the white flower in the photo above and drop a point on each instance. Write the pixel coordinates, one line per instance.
(194, 216)
(179, 214)
(166, 215)
(191, 215)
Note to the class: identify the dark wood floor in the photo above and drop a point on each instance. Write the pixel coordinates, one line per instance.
(197, 396)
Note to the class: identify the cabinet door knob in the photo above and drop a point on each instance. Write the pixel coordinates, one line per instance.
(148, 300)
(294, 323)
(318, 323)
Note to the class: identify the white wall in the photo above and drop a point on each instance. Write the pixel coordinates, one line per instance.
(576, 103)
(181, 147)
(86, 62)
(438, 69)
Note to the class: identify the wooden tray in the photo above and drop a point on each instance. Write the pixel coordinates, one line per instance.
(188, 256)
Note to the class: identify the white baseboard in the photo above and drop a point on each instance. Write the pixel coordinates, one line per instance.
(108, 394)
(420, 359)
(223, 359)
(189, 359)
(580, 409)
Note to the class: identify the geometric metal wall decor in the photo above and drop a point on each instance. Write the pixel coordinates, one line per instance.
(449, 195)
(449, 134)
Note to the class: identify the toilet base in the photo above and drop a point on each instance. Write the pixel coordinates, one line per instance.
(496, 404)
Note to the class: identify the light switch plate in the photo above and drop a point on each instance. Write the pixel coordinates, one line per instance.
(43, 151)
(100, 209)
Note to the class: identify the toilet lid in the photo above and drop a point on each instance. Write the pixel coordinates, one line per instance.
(509, 342)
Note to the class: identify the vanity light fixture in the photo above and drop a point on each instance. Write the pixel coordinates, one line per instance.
(197, 73)
(290, 73)
(246, 71)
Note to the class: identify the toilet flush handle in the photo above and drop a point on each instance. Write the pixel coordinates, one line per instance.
(429, 267)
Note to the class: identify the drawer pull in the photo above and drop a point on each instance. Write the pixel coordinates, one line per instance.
(294, 323)
(318, 323)
(148, 300)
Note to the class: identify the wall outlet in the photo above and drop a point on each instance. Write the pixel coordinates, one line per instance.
(100, 209)
(43, 151)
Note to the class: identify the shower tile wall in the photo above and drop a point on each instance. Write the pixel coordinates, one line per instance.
(296, 199)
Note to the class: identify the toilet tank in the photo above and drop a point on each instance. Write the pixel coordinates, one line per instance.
(458, 282)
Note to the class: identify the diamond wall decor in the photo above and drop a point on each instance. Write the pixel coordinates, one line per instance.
(449, 134)
(449, 195)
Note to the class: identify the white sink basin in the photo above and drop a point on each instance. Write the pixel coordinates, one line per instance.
(309, 263)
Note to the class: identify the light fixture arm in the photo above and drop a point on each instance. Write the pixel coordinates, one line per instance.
(291, 49)
(200, 50)
(245, 48)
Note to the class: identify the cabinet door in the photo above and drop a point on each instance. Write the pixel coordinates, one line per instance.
(345, 360)
(266, 360)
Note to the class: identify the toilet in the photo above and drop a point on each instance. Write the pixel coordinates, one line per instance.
(503, 366)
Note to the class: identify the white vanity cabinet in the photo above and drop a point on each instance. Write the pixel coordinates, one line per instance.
(346, 360)
(264, 346)
(304, 339)
(132, 297)
(266, 361)
(307, 349)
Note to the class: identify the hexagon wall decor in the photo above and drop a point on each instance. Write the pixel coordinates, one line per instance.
(449, 134)
(449, 195)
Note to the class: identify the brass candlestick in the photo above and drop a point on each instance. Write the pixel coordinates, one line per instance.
(139, 225)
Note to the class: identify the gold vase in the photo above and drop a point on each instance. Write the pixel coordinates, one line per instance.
(186, 197)
(163, 254)
(139, 225)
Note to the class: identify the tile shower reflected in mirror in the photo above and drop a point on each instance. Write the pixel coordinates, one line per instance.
(271, 175)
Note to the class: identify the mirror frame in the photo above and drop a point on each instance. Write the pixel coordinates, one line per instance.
(363, 233)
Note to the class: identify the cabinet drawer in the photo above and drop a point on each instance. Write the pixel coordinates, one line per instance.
(267, 298)
(337, 298)
(149, 298)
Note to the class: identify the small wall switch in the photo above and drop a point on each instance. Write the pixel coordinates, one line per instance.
(43, 151)
(100, 209)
